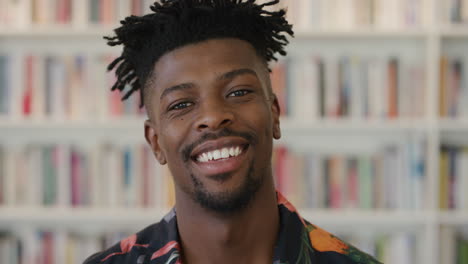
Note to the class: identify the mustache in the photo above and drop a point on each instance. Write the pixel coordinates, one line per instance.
(225, 132)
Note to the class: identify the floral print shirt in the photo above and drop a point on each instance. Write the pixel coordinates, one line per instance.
(299, 242)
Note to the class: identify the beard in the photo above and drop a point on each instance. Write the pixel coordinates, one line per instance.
(231, 201)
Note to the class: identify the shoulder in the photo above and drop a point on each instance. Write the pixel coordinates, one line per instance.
(151, 242)
(331, 249)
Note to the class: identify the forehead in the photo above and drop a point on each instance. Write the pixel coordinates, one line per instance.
(204, 60)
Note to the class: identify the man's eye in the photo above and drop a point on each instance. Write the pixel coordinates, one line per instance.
(238, 93)
(181, 105)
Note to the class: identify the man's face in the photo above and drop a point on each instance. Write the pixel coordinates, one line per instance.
(213, 120)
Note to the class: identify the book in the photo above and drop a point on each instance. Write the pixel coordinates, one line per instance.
(100, 176)
(395, 247)
(352, 14)
(49, 246)
(61, 87)
(78, 14)
(452, 178)
(393, 177)
(448, 244)
(3, 172)
(453, 87)
(57, 87)
(351, 87)
(393, 89)
(4, 86)
(461, 198)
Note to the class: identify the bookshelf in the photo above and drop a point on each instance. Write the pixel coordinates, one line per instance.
(417, 42)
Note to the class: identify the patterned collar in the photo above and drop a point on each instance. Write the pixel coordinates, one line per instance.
(298, 242)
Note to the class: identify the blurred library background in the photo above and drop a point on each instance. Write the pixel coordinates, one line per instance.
(375, 129)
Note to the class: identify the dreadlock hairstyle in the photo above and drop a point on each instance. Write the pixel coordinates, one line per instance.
(176, 23)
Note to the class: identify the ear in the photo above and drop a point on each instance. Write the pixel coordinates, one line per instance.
(275, 110)
(152, 139)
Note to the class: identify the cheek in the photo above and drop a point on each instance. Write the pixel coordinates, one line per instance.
(171, 140)
(259, 119)
(171, 144)
(263, 116)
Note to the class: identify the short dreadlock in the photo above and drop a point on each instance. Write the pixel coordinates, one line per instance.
(176, 23)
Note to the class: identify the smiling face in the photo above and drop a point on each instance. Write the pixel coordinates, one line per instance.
(213, 118)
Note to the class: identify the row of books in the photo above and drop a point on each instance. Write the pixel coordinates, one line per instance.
(105, 176)
(61, 87)
(60, 247)
(303, 13)
(53, 247)
(453, 178)
(350, 87)
(111, 11)
(398, 247)
(453, 245)
(453, 94)
(351, 14)
(393, 178)
(455, 11)
(25, 13)
(129, 176)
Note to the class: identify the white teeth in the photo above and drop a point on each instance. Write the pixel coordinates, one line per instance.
(232, 152)
(202, 158)
(223, 153)
(199, 158)
(237, 151)
(216, 154)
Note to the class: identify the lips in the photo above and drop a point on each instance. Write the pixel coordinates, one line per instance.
(220, 156)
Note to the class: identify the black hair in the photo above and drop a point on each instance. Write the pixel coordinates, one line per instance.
(176, 23)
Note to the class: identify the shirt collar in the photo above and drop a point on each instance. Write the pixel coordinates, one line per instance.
(292, 236)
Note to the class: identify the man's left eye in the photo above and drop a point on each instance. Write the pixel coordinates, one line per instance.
(238, 93)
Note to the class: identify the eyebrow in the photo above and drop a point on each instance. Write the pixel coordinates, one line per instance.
(223, 77)
(182, 86)
(232, 74)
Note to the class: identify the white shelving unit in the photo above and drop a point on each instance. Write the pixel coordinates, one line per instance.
(321, 135)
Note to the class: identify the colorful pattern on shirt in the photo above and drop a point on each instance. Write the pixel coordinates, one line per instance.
(299, 242)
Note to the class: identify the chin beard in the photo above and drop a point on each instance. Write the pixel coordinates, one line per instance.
(228, 202)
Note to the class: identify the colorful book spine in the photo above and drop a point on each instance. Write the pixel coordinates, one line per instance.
(61, 88)
(56, 87)
(3, 172)
(397, 247)
(453, 179)
(393, 88)
(77, 176)
(348, 15)
(349, 87)
(454, 245)
(5, 94)
(453, 89)
(391, 178)
(79, 14)
(28, 89)
(53, 246)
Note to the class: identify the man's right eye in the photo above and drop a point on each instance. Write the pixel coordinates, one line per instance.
(180, 106)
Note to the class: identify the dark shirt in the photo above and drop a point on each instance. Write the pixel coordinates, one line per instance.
(298, 242)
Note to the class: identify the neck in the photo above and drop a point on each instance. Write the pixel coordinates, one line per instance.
(248, 236)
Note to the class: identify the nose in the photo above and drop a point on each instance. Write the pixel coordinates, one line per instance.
(214, 115)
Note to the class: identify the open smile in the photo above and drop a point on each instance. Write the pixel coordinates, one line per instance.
(220, 156)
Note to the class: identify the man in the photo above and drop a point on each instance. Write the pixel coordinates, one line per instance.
(202, 68)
